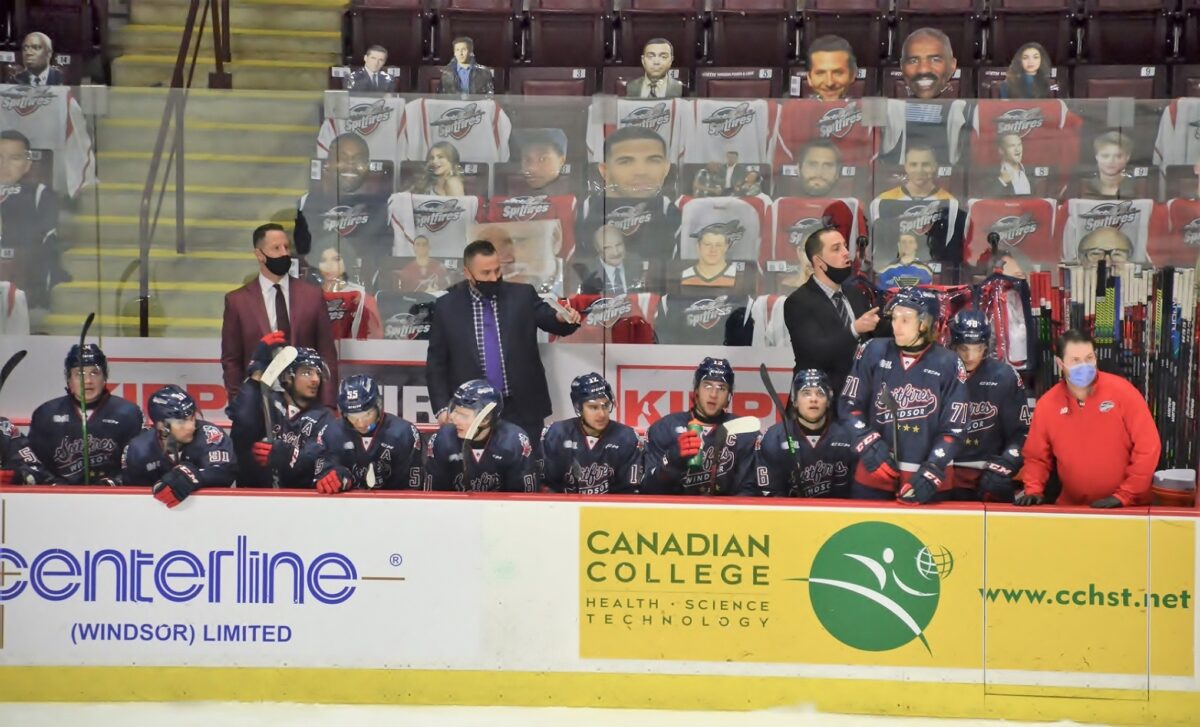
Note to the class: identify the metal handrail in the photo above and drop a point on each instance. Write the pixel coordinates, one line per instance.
(173, 116)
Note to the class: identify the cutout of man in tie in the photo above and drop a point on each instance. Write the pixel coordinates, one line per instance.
(657, 57)
(371, 78)
(36, 52)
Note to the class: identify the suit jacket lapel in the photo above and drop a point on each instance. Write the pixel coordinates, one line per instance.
(258, 305)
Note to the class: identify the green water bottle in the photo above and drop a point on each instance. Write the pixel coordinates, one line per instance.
(697, 460)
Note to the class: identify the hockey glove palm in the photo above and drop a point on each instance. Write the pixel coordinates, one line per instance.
(689, 444)
(265, 351)
(1028, 499)
(176, 485)
(876, 457)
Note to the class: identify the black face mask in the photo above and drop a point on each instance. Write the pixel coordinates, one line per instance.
(489, 288)
(837, 275)
(279, 265)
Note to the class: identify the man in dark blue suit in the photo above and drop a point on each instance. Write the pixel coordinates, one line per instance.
(486, 328)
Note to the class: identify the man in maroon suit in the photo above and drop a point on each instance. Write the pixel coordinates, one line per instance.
(275, 301)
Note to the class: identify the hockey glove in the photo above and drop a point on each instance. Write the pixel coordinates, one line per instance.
(1027, 499)
(335, 481)
(1107, 502)
(176, 485)
(995, 485)
(876, 457)
(278, 455)
(265, 351)
(689, 444)
(923, 486)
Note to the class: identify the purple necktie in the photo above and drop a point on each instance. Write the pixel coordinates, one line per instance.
(493, 366)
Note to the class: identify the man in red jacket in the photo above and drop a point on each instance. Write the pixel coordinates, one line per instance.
(1094, 431)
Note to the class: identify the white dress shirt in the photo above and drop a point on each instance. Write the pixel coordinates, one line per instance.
(268, 294)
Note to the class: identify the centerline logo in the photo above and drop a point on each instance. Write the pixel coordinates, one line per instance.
(875, 586)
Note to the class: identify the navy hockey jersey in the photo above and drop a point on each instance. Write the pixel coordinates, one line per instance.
(210, 455)
(727, 468)
(57, 439)
(1000, 418)
(610, 463)
(17, 454)
(821, 467)
(303, 430)
(504, 464)
(930, 401)
(393, 454)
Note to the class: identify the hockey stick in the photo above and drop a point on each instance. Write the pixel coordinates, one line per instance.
(893, 410)
(741, 425)
(83, 414)
(783, 415)
(282, 359)
(11, 364)
(371, 481)
(476, 425)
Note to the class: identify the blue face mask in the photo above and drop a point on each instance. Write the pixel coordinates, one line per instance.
(1082, 375)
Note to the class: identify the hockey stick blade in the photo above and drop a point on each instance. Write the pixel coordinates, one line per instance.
(83, 414)
(472, 432)
(371, 481)
(11, 364)
(558, 307)
(742, 425)
(281, 361)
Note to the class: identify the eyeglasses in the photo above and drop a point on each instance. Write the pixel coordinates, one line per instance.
(714, 386)
(1097, 254)
(90, 373)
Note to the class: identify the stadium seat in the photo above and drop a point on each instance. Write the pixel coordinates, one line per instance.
(570, 32)
(429, 79)
(1142, 82)
(1190, 37)
(1180, 180)
(866, 83)
(491, 24)
(739, 82)
(679, 21)
(959, 19)
(401, 26)
(613, 79)
(1127, 31)
(1185, 81)
(75, 26)
(863, 23)
(1048, 22)
(753, 32)
(993, 77)
(962, 83)
(543, 81)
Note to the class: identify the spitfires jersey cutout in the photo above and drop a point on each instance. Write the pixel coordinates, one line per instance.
(352, 313)
(379, 120)
(1131, 216)
(1049, 133)
(802, 121)
(716, 320)
(1177, 242)
(623, 318)
(50, 117)
(743, 221)
(770, 328)
(650, 226)
(444, 221)
(716, 127)
(479, 129)
(539, 207)
(359, 221)
(937, 223)
(406, 316)
(1026, 225)
(793, 219)
(1178, 140)
(662, 116)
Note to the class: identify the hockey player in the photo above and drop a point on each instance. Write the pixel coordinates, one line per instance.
(590, 454)
(684, 455)
(180, 453)
(499, 456)
(991, 452)
(367, 449)
(287, 455)
(810, 455)
(18, 464)
(905, 402)
(56, 429)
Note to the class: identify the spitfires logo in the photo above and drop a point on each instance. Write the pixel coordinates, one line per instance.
(212, 435)
(647, 117)
(435, 214)
(838, 122)
(983, 416)
(457, 122)
(365, 118)
(1013, 229)
(629, 218)
(708, 312)
(921, 218)
(524, 209)
(728, 121)
(25, 100)
(344, 219)
(817, 478)
(337, 309)
(593, 479)
(1019, 121)
(731, 230)
(912, 402)
(799, 230)
(1110, 214)
(407, 326)
(1191, 233)
(607, 311)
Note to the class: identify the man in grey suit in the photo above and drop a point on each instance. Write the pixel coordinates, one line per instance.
(657, 57)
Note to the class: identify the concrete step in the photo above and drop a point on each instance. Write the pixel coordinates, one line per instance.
(119, 266)
(202, 168)
(235, 106)
(116, 198)
(201, 234)
(287, 15)
(176, 300)
(65, 322)
(247, 43)
(155, 70)
(214, 137)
